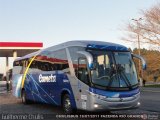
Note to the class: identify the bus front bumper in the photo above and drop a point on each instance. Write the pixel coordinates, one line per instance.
(99, 104)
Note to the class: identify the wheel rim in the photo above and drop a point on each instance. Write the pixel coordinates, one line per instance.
(67, 105)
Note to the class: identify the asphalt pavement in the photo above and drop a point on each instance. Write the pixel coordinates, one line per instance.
(150, 106)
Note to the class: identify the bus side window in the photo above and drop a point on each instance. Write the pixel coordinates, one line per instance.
(83, 74)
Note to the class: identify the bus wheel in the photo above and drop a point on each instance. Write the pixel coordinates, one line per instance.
(24, 100)
(67, 107)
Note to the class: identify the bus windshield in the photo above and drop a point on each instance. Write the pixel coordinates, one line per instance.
(113, 70)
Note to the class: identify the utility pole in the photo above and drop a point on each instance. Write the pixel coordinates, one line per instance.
(138, 37)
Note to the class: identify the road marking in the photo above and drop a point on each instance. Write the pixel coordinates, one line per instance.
(150, 91)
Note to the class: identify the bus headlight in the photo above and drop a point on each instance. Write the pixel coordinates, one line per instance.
(98, 96)
(138, 103)
(101, 97)
(96, 106)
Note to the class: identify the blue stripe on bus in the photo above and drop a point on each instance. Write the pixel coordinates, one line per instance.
(107, 47)
(48, 92)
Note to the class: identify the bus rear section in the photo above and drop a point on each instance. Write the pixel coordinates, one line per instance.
(43, 77)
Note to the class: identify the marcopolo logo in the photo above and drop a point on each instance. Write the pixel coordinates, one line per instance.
(47, 78)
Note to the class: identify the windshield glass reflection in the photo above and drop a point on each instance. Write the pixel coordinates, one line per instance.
(113, 69)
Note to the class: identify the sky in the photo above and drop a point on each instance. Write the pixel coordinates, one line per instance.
(57, 21)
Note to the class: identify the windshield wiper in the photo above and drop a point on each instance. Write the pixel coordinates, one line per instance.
(113, 72)
(120, 71)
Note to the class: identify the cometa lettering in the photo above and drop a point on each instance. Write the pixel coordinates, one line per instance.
(47, 78)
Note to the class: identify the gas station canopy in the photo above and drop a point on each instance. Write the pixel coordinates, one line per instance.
(18, 49)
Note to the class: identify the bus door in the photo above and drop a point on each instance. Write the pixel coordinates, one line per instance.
(83, 82)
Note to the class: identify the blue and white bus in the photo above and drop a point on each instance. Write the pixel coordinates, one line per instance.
(86, 75)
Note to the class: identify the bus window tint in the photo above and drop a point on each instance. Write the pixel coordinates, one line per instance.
(19, 67)
(50, 61)
(82, 70)
(74, 57)
(125, 61)
(101, 75)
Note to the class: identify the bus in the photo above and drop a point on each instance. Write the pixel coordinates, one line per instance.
(85, 75)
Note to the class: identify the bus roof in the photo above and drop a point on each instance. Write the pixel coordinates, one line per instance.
(90, 44)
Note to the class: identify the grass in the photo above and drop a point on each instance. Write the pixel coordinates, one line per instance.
(155, 86)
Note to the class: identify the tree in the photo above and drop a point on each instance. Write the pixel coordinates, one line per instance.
(153, 66)
(147, 28)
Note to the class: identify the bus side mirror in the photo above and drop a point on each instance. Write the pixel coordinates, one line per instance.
(88, 57)
(144, 65)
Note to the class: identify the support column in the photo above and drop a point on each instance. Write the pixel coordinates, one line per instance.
(7, 77)
(14, 54)
(7, 65)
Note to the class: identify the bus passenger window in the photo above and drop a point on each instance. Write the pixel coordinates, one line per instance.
(83, 74)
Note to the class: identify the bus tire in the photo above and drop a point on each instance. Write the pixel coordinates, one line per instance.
(24, 99)
(66, 104)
